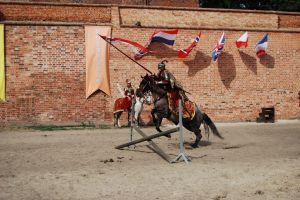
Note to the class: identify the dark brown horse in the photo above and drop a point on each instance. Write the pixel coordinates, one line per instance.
(161, 110)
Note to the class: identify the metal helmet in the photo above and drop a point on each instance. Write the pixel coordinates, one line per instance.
(162, 64)
(128, 82)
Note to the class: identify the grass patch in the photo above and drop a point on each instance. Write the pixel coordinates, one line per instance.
(68, 127)
(104, 126)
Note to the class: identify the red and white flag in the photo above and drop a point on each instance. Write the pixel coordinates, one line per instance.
(133, 45)
(182, 53)
(242, 41)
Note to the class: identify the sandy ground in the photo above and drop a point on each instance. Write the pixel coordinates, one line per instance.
(255, 161)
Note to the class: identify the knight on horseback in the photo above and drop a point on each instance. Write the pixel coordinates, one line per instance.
(124, 104)
(166, 80)
(129, 91)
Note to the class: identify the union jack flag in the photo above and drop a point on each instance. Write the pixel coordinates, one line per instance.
(218, 48)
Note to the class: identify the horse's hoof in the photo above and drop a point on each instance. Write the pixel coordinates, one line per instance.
(195, 145)
(158, 129)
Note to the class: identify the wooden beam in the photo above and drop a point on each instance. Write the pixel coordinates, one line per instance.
(154, 147)
(148, 138)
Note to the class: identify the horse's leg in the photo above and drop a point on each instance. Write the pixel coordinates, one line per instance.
(138, 107)
(206, 130)
(128, 117)
(117, 116)
(157, 119)
(118, 120)
(115, 119)
(198, 138)
(153, 116)
(139, 116)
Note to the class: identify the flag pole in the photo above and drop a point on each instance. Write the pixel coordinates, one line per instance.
(126, 55)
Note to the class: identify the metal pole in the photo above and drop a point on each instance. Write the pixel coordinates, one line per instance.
(181, 156)
(131, 120)
(180, 128)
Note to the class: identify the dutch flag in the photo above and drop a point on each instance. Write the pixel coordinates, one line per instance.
(262, 46)
(166, 37)
(218, 48)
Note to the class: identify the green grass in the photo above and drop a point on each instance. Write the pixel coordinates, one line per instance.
(82, 126)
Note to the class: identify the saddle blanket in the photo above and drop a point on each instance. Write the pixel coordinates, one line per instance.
(122, 104)
(188, 107)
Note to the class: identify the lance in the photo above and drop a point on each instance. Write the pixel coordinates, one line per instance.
(109, 42)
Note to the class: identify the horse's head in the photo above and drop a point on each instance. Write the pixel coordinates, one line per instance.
(147, 97)
(147, 83)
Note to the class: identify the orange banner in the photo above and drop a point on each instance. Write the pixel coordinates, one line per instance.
(97, 60)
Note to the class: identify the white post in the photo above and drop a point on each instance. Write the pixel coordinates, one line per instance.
(131, 121)
(181, 156)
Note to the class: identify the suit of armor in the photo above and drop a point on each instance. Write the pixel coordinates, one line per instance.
(166, 79)
(129, 92)
(168, 82)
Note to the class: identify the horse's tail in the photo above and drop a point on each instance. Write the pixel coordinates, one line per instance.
(212, 126)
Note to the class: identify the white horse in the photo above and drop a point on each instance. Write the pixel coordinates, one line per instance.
(138, 105)
(140, 99)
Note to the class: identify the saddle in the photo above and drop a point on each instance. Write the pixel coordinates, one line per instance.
(188, 107)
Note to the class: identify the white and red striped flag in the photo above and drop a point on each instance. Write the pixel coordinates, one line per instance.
(182, 53)
(130, 43)
(242, 41)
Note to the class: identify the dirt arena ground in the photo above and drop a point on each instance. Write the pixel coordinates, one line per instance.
(255, 161)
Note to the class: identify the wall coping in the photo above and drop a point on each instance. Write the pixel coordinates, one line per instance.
(287, 30)
(55, 4)
(52, 23)
(151, 7)
(210, 9)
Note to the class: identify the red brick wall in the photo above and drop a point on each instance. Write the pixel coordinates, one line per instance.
(58, 13)
(45, 74)
(45, 77)
(238, 85)
(197, 18)
(288, 21)
(174, 3)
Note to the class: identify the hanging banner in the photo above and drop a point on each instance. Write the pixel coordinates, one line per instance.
(97, 59)
(2, 70)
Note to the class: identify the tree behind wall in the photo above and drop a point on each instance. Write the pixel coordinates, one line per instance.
(277, 5)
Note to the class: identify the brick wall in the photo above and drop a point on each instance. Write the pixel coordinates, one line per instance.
(238, 85)
(174, 3)
(64, 13)
(288, 21)
(197, 18)
(45, 72)
(45, 77)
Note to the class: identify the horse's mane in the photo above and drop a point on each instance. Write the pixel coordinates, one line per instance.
(138, 92)
(153, 87)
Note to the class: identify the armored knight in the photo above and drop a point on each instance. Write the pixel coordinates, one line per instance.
(168, 82)
(129, 91)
